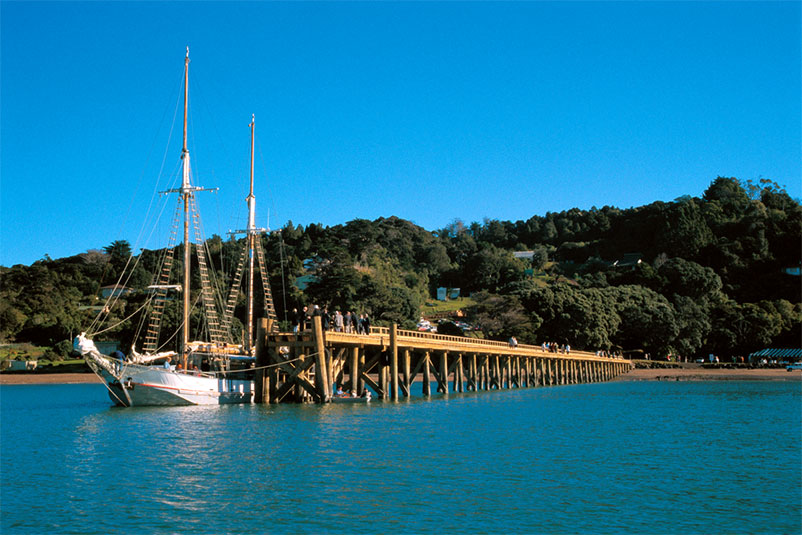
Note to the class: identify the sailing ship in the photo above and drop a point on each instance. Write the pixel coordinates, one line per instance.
(210, 372)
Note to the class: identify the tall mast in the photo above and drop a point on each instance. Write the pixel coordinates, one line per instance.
(186, 192)
(252, 234)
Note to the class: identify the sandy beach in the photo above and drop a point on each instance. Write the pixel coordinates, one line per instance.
(640, 374)
(706, 374)
(47, 378)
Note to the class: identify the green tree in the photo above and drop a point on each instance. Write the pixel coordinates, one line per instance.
(336, 283)
(581, 317)
(729, 194)
(693, 322)
(119, 252)
(501, 317)
(11, 321)
(491, 268)
(743, 328)
(683, 277)
(388, 304)
(449, 328)
(648, 321)
(683, 230)
(540, 257)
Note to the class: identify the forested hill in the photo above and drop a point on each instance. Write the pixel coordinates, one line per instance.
(712, 274)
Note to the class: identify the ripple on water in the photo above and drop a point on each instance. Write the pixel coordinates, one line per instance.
(605, 458)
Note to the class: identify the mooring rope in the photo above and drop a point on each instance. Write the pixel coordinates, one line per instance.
(256, 368)
(125, 366)
(119, 322)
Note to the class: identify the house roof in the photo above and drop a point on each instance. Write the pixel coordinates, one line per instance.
(778, 353)
(629, 259)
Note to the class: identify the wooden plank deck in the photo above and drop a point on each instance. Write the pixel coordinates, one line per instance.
(305, 367)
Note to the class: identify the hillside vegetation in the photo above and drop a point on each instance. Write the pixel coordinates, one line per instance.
(709, 274)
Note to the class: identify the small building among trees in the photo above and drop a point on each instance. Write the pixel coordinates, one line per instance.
(114, 290)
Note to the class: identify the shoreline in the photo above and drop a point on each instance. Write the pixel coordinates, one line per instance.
(638, 374)
(48, 378)
(710, 374)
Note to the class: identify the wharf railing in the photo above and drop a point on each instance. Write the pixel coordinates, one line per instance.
(306, 366)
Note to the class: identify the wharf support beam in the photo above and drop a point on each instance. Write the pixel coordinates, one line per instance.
(309, 366)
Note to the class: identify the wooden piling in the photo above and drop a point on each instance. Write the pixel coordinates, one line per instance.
(311, 362)
(353, 365)
(321, 362)
(407, 364)
(360, 383)
(474, 372)
(394, 362)
(427, 387)
(442, 381)
(261, 384)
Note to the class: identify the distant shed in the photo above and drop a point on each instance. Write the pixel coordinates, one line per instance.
(775, 354)
(20, 365)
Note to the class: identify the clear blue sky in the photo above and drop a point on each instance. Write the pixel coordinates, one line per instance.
(426, 111)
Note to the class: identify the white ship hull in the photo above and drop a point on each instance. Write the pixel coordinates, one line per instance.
(133, 385)
(153, 386)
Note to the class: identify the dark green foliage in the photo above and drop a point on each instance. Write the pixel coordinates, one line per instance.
(501, 317)
(336, 283)
(694, 324)
(709, 266)
(490, 268)
(648, 321)
(41, 302)
(564, 313)
(683, 277)
(540, 257)
(712, 275)
(729, 194)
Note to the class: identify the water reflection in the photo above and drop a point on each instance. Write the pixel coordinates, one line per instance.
(551, 459)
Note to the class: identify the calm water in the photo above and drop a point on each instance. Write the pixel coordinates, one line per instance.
(652, 457)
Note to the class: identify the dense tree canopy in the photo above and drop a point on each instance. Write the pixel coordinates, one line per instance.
(700, 274)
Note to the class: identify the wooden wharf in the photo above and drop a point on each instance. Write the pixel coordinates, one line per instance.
(304, 367)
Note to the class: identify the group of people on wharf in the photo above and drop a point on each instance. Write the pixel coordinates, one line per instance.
(554, 347)
(349, 322)
(546, 347)
(353, 323)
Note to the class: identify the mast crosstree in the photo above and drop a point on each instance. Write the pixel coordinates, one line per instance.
(218, 324)
(190, 216)
(253, 252)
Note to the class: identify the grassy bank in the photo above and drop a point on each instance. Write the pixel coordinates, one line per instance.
(437, 308)
(43, 355)
(45, 367)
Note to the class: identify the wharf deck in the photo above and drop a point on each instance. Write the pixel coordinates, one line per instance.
(305, 367)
